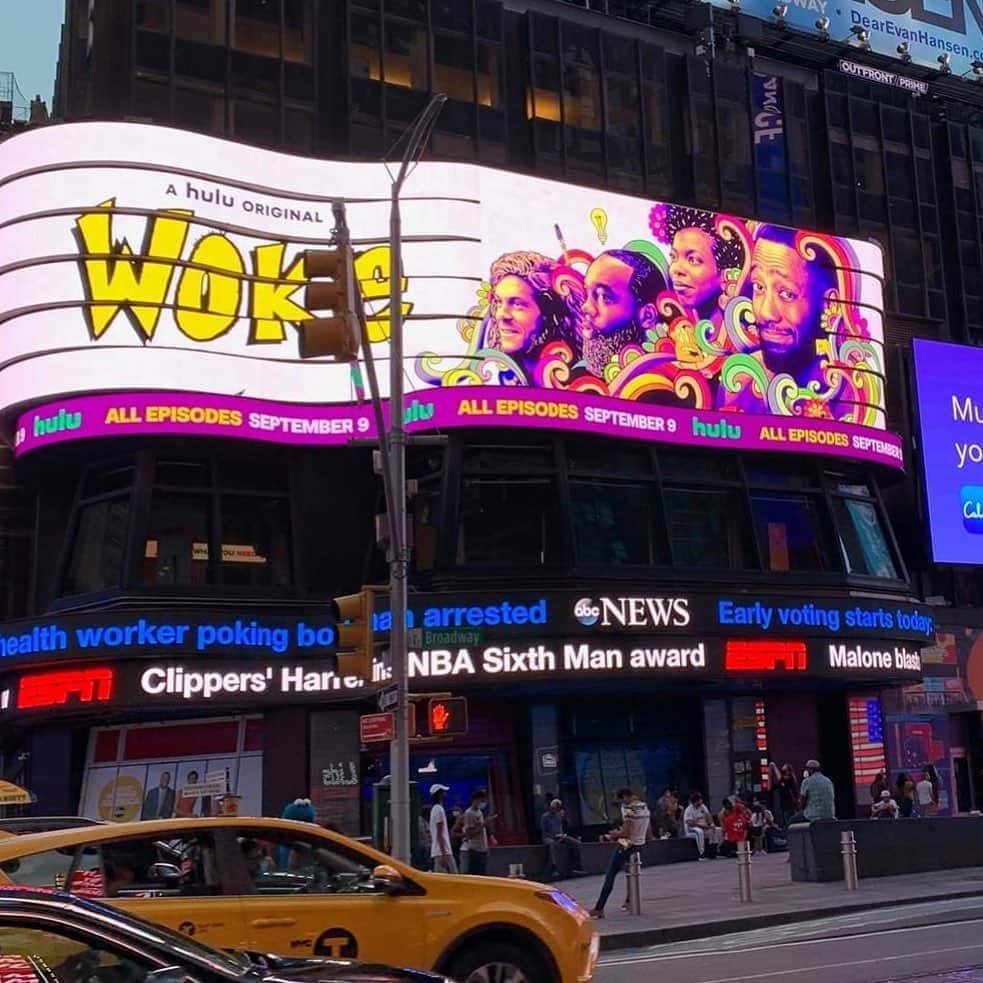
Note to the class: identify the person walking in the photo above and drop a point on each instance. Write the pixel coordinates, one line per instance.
(925, 796)
(817, 795)
(441, 854)
(474, 859)
(635, 829)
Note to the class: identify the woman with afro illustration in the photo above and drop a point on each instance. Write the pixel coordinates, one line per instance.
(699, 257)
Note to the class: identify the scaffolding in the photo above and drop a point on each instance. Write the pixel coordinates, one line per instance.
(14, 108)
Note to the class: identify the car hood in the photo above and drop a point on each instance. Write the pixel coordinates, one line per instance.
(328, 970)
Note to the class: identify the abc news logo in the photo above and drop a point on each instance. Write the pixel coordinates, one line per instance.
(633, 612)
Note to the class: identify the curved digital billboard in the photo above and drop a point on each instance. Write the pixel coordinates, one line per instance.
(141, 259)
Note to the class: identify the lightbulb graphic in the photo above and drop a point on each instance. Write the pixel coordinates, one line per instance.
(599, 219)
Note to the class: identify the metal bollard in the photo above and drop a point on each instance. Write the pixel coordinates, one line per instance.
(516, 871)
(744, 870)
(848, 847)
(634, 877)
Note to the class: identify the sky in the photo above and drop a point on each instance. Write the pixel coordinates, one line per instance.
(29, 44)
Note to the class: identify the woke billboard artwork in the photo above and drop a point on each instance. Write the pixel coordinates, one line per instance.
(148, 271)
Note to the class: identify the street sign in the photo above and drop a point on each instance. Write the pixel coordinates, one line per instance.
(388, 699)
(377, 727)
(451, 636)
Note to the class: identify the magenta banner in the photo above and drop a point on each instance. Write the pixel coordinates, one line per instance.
(188, 414)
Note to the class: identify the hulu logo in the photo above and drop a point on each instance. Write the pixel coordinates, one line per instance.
(722, 430)
(61, 421)
(418, 412)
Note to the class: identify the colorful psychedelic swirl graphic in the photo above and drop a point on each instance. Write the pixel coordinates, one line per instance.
(703, 310)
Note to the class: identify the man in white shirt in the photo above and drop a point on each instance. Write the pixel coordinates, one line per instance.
(698, 823)
(925, 796)
(885, 807)
(636, 828)
(440, 835)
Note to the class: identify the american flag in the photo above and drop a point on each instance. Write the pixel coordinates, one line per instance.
(866, 738)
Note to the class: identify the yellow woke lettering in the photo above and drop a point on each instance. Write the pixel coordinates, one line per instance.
(208, 300)
(271, 303)
(374, 270)
(116, 281)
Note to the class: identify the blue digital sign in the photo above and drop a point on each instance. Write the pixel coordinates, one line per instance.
(950, 410)
(929, 28)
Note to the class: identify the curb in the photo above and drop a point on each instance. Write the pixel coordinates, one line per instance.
(635, 938)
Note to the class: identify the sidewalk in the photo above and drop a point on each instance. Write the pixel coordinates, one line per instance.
(697, 900)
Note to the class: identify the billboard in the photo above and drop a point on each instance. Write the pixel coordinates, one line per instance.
(950, 414)
(141, 259)
(953, 27)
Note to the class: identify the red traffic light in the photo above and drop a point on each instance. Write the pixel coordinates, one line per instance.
(447, 716)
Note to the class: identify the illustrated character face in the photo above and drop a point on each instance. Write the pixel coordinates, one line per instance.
(516, 312)
(610, 303)
(693, 268)
(783, 301)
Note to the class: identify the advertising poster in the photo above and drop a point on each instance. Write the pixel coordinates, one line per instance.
(951, 27)
(950, 412)
(183, 292)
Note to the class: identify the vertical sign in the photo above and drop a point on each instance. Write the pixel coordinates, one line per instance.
(768, 140)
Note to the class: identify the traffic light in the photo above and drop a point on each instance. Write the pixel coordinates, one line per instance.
(447, 716)
(331, 287)
(356, 642)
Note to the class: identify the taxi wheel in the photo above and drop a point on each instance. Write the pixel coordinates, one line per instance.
(497, 962)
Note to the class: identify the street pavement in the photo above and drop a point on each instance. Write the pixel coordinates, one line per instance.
(698, 900)
(928, 942)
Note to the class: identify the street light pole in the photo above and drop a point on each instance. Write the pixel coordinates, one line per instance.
(400, 816)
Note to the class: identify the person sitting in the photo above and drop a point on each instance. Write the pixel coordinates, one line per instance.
(564, 849)
(760, 822)
(698, 824)
(885, 807)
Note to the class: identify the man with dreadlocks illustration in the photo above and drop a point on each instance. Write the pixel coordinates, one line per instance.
(526, 312)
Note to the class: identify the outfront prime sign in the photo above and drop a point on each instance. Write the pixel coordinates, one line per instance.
(950, 413)
(930, 29)
(134, 264)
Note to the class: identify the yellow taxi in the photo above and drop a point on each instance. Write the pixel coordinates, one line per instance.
(294, 889)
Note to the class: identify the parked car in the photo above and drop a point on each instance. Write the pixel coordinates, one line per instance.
(50, 937)
(294, 889)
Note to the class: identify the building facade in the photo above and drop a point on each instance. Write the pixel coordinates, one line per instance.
(713, 109)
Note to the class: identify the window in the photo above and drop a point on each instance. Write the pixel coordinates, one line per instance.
(792, 531)
(100, 530)
(183, 866)
(612, 523)
(252, 507)
(508, 521)
(178, 535)
(285, 863)
(30, 952)
(707, 528)
(51, 869)
(863, 543)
